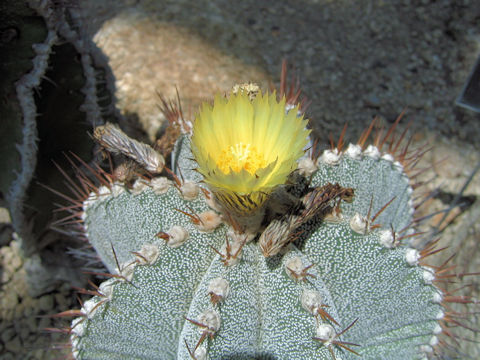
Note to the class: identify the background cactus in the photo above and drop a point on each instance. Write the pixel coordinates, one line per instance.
(56, 87)
(187, 284)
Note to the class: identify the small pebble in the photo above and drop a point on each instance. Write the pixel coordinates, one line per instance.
(45, 303)
(7, 335)
(14, 345)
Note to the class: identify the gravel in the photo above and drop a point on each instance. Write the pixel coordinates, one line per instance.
(356, 59)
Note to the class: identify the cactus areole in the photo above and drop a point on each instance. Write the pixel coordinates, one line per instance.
(281, 254)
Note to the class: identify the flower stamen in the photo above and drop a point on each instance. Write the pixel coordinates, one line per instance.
(241, 156)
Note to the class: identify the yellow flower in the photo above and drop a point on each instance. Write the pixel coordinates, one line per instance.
(244, 148)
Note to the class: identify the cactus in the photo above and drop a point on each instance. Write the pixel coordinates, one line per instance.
(56, 87)
(312, 263)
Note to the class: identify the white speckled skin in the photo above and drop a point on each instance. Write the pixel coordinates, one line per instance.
(355, 275)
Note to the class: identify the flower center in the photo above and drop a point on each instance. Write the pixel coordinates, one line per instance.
(240, 156)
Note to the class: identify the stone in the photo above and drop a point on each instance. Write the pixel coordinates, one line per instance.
(44, 322)
(61, 301)
(24, 332)
(8, 356)
(9, 300)
(149, 56)
(45, 303)
(5, 216)
(31, 322)
(7, 334)
(14, 345)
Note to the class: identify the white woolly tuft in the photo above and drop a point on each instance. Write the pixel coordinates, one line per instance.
(388, 157)
(148, 254)
(372, 151)
(311, 301)
(219, 287)
(428, 275)
(200, 353)
(437, 297)
(78, 327)
(211, 319)
(387, 239)
(412, 256)
(354, 151)
(139, 185)
(189, 190)
(306, 166)
(209, 221)
(326, 332)
(90, 307)
(359, 224)
(160, 185)
(329, 157)
(177, 235)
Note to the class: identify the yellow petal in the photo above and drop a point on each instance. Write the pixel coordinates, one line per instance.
(244, 148)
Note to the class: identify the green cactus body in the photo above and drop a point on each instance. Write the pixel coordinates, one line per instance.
(182, 296)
